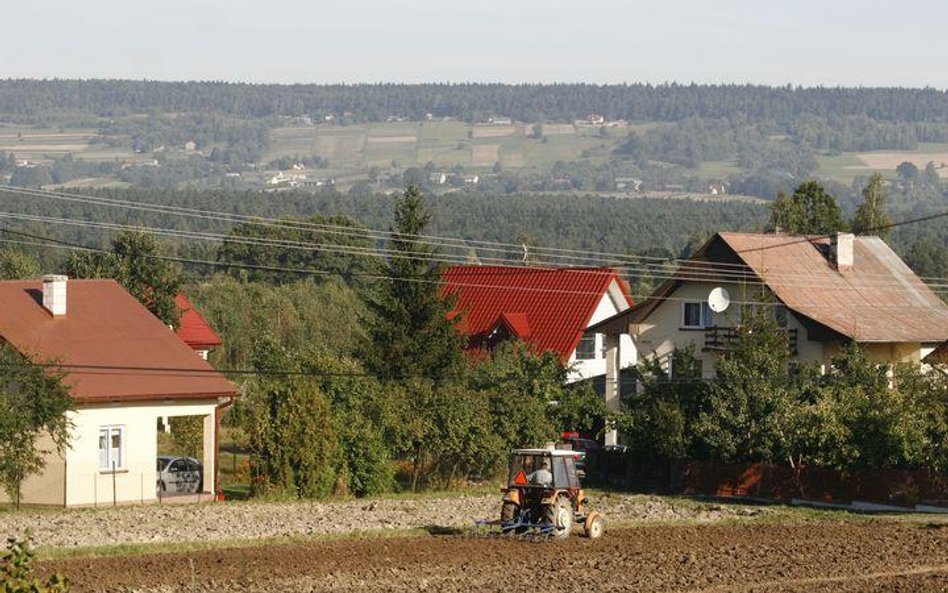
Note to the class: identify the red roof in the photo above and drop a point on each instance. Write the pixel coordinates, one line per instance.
(194, 329)
(111, 347)
(546, 307)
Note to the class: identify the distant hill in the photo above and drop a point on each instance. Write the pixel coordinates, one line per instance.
(29, 101)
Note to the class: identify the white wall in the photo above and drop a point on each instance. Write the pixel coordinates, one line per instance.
(86, 484)
(612, 302)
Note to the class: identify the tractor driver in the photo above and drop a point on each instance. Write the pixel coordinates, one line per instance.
(542, 476)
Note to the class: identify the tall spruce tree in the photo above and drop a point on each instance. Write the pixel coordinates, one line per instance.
(411, 334)
(870, 216)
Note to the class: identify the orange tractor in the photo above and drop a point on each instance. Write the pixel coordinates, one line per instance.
(544, 495)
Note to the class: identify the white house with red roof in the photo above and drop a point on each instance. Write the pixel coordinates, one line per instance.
(126, 372)
(548, 308)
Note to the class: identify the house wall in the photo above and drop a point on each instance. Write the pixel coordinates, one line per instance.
(887, 353)
(607, 307)
(47, 487)
(87, 485)
(664, 331)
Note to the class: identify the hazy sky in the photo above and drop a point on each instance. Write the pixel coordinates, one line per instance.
(809, 42)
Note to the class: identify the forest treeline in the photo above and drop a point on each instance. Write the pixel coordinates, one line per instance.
(29, 100)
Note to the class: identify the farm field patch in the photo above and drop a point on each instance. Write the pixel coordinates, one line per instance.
(877, 556)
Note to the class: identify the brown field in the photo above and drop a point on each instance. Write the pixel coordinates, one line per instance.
(891, 160)
(339, 146)
(555, 129)
(392, 139)
(23, 148)
(810, 557)
(484, 155)
(493, 131)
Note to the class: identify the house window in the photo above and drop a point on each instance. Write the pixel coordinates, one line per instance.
(780, 316)
(111, 448)
(586, 350)
(697, 314)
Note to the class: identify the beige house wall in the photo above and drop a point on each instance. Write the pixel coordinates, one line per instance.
(663, 330)
(87, 484)
(77, 480)
(47, 487)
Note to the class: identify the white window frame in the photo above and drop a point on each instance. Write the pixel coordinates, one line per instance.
(107, 454)
(597, 348)
(705, 315)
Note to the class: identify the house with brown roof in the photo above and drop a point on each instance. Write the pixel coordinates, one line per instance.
(823, 291)
(127, 372)
(547, 308)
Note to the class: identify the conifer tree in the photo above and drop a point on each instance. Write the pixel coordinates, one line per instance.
(411, 333)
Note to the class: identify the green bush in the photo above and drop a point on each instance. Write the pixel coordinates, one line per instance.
(17, 574)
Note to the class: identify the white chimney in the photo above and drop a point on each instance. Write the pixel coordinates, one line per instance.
(841, 248)
(54, 293)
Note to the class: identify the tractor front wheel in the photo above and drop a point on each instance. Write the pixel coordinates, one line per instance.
(560, 516)
(593, 526)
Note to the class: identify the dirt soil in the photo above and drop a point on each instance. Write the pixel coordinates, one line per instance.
(877, 556)
(69, 528)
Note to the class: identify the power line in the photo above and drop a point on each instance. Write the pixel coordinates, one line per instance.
(692, 270)
(382, 277)
(438, 241)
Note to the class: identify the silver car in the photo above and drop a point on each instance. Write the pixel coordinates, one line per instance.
(179, 475)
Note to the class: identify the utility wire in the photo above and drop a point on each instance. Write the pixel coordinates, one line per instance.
(692, 270)
(445, 242)
(382, 277)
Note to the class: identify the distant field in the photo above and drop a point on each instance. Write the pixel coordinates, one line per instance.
(926, 153)
(717, 169)
(353, 150)
(445, 143)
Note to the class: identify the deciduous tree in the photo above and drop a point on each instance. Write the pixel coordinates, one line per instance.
(809, 211)
(33, 421)
(871, 216)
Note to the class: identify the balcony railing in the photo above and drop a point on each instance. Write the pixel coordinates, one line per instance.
(720, 339)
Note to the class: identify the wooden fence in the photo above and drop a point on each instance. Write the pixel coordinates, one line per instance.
(769, 481)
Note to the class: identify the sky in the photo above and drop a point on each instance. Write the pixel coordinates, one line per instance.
(799, 42)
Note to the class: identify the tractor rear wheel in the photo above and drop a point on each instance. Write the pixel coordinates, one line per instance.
(593, 526)
(509, 512)
(560, 516)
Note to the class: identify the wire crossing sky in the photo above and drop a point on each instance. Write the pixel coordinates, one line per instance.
(805, 42)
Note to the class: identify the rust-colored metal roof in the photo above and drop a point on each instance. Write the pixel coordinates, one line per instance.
(879, 299)
(112, 347)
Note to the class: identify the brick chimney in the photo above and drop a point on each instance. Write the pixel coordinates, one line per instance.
(54, 294)
(841, 250)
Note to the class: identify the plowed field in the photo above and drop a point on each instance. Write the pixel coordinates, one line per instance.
(877, 556)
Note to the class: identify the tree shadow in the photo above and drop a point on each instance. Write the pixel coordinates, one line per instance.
(442, 530)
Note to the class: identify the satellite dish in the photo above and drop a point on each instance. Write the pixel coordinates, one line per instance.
(719, 300)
